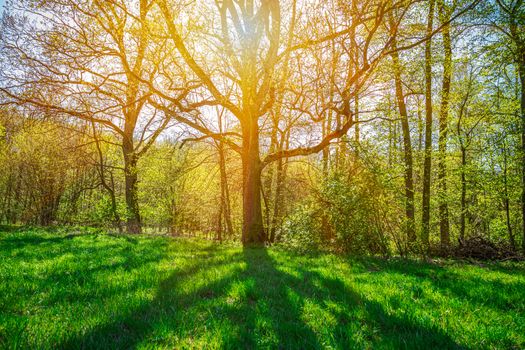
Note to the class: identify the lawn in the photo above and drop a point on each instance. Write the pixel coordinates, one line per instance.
(70, 289)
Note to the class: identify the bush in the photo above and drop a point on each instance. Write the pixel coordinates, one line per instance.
(352, 206)
(301, 230)
(347, 213)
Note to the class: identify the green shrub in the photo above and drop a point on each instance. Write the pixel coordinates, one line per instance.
(302, 229)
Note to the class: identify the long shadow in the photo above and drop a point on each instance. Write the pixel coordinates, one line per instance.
(66, 281)
(296, 284)
(262, 316)
(391, 331)
(501, 295)
(174, 307)
(251, 300)
(273, 317)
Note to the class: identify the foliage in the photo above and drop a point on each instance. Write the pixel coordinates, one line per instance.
(353, 205)
(155, 131)
(302, 229)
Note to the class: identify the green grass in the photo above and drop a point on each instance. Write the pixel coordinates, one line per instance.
(64, 290)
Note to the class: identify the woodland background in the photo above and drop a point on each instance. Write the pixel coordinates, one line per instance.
(370, 127)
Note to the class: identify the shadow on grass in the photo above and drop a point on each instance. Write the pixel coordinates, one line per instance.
(253, 301)
(355, 311)
(492, 291)
(42, 272)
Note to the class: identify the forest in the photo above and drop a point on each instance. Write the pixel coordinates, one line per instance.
(262, 174)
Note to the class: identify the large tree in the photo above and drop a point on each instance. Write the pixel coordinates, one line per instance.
(251, 46)
(88, 62)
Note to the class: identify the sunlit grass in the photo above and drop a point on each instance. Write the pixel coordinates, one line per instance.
(91, 290)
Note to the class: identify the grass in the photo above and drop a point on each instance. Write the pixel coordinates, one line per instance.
(84, 291)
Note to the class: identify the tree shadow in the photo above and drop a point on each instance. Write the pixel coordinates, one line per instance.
(176, 309)
(215, 297)
(255, 301)
(272, 312)
(237, 307)
(382, 329)
(504, 295)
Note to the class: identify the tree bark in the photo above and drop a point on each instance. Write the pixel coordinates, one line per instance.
(133, 223)
(515, 16)
(225, 193)
(444, 225)
(522, 80)
(407, 150)
(427, 167)
(506, 200)
(463, 195)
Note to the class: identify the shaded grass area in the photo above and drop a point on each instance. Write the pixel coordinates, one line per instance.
(85, 291)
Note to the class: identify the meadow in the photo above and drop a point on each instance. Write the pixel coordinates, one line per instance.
(86, 289)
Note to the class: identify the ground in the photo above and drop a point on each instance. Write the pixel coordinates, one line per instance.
(76, 289)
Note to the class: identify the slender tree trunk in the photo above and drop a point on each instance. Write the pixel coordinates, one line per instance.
(506, 201)
(7, 198)
(219, 220)
(13, 217)
(427, 167)
(463, 195)
(225, 193)
(277, 200)
(515, 29)
(444, 225)
(133, 223)
(109, 188)
(269, 187)
(407, 150)
(113, 197)
(420, 131)
(522, 80)
(326, 230)
(252, 228)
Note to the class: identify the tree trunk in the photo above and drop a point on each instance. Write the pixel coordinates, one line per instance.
(114, 209)
(326, 230)
(356, 127)
(252, 228)
(506, 200)
(427, 167)
(225, 193)
(109, 188)
(522, 80)
(407, 150)
(444, 225)
(133, 223)
(463, 195)
(219, 221)
(515, 28)
(277, 200)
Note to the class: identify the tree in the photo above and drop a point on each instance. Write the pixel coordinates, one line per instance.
(88, 61)
(444, 11)
(407, 148)
(509, 21)
(250, 54)
(425, 220)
